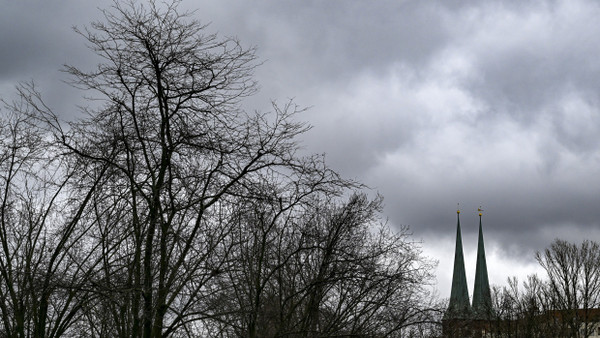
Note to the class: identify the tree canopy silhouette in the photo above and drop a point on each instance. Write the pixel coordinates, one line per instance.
(167, 210)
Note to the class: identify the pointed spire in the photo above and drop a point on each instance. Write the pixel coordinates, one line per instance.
(459, 307)
(482, 300)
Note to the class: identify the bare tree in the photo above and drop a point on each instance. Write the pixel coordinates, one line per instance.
(559, 306)
(177, 152)
(169, 211)
(44, 214)
(574, 281)
(320, 267)
(524, 310)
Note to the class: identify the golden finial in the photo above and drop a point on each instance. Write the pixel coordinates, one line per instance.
(480, 210)
(458, 208)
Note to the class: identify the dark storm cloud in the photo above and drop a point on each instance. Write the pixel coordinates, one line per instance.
(327, 44)
(432, 103)
(37, 39)
(496, 105)
(29, 42)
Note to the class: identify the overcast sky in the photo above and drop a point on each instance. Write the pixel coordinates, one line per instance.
(431, 103)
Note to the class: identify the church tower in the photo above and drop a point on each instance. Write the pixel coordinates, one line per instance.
(482, 300)
(462, 319)
(458, 308)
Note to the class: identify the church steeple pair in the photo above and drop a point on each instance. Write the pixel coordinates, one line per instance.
(459, 307)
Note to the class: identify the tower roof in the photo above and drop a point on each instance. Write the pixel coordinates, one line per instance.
(459, 307)
(482, 300)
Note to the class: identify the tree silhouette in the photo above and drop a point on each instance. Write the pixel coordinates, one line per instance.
(167, 210)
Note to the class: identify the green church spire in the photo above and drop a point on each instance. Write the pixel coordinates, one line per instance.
(482, 300)
(459, 307)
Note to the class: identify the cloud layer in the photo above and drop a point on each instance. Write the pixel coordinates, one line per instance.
(432, 103)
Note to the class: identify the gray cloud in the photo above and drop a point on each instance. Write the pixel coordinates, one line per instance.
(432, 103)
